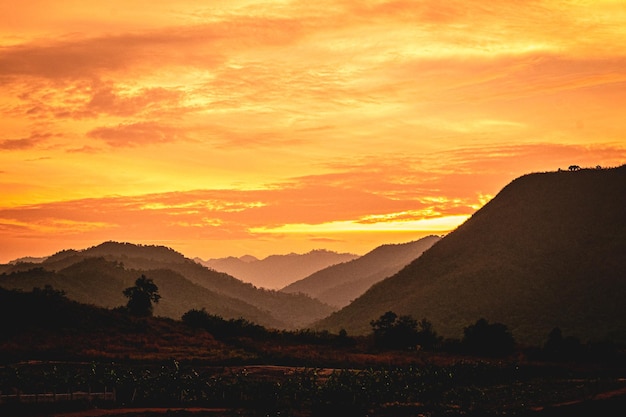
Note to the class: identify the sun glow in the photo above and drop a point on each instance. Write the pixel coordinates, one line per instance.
(434, 225)
(267, 125)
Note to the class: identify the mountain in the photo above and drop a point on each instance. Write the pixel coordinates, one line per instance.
(99, 274)
(548, 251)
(276, 271)
(338, 285)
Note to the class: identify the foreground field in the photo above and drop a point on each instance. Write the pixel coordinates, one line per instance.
(463, 388)
(65, 359)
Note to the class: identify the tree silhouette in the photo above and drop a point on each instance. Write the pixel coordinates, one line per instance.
(403, 332)
(558, 347)
(141, 296)
(487, 339)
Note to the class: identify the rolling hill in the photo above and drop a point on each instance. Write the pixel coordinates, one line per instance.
(338, 285)
(98, 275)
(548, 251)
(276, 271)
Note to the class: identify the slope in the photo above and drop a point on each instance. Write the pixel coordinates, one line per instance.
(276, 271)
(547, 251)
(228, 295)
(338, 285)
(100, 282)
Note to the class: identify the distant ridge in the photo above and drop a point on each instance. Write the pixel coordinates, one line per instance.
(339, 284)
(548, 251)
(28, 259)
(276, 271)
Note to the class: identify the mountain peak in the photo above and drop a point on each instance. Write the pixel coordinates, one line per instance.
(547, 251)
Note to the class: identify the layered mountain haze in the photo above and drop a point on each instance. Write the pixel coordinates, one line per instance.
(339, 284)
(548, 251)
(99, 274)
(276, 271)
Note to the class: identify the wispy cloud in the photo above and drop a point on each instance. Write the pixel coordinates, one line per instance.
(135, 134)
(32, 141)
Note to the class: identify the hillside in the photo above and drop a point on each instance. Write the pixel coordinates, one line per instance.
(547, 251)
(276, 271)
(339, 284)
(98, 275)
(44, 325)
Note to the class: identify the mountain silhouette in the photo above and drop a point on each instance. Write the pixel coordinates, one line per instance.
(338, 285)
(548, 251)
(99, 274)
(276, 271)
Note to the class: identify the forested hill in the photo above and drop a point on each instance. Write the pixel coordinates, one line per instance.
(548, 251)
(339, 284)
(97, 276)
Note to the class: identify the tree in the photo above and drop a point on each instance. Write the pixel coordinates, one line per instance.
(403, 332)
(558, 347)
(141, 296)
(487, 339)
(426, 335)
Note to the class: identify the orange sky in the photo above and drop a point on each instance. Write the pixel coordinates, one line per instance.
(232, 127)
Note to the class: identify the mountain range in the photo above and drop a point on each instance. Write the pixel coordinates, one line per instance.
(338, 285)
(548, 251)
(276, 271)
(99, 274)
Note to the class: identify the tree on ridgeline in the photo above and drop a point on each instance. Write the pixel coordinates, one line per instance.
(141, 296)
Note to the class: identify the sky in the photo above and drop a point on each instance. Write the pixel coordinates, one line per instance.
(225, 128)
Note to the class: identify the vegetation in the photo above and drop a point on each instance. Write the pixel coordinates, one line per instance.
(483, 338)
(141, 296)
(99, 275)
(546, 252)
(207, 361)
(404, 332)
(458, 389)
(54, 347)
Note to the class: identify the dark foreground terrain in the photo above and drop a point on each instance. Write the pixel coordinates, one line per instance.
(62, 358)
(475, 388)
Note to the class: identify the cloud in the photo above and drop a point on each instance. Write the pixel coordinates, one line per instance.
(203, 46)
(85, 58)
(33, 141)
(360, 113)
(137, 134)
(51, 226)
(106, 99)
(382, 196)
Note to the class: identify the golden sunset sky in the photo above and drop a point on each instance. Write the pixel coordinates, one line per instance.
(262, 127)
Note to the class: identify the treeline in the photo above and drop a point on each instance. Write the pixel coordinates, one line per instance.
(50, 308)
(231, 329)
(393, 332)
(485, 339)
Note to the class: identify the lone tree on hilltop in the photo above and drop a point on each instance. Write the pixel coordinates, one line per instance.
(141, 296)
